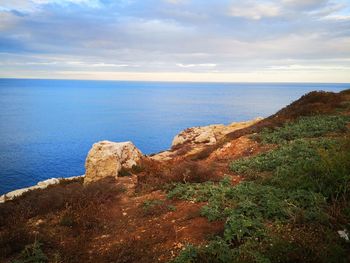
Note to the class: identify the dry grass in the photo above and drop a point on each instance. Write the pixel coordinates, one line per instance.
(83, 205)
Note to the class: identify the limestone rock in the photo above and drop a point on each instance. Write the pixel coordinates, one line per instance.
(193, 140)
(46, 183)
(205, 134)
(107, 158)
(208, 135)
(40, 185)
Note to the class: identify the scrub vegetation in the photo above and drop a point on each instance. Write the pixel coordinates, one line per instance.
(281, 194)
(302, 183)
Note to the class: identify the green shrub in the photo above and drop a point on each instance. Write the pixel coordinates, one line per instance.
(171, 208)
(305, 127)
(252, 200)
(32, 254)
(239, 227)
(216, 251)
(328, 174)
(247, 208)
(154, 207)
(67, 220)
(289, 154)
(321, 166)
(294, 185)
(124, 173)
(188, 255)
(137, 169)
(149, 204)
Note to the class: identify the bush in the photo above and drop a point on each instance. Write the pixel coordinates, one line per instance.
(321, 166)
(153, 206)
(239, 227)
(292, 185)
(191, 172)
(216, 251)
(32, 254)
(289, 154)
(328, 174)
(76, 196)
(67, 220)
(305, 127)
(252, 200)
(247, 209)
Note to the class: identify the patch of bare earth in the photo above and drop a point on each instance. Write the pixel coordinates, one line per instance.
(124, 230)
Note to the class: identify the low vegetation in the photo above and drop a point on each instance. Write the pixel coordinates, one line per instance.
(296, 185)
(79, 208)
(305, 127)
(32, 254)
(283, 202)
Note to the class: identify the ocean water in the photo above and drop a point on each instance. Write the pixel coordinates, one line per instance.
(48, 126)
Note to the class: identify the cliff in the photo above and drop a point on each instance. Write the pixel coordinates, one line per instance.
(274, 190)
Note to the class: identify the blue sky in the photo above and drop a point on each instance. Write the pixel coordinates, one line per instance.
(187, 40)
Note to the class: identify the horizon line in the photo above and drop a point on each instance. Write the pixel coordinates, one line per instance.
(173, 81)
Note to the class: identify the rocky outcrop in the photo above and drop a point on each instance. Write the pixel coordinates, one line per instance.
(195, 139)
(107, 158)
(208, 134)
(196, 135)
(40, 185)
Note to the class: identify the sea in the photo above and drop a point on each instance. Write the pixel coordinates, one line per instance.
(47, 127)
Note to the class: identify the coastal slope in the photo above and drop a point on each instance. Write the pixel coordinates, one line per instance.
(270, 190)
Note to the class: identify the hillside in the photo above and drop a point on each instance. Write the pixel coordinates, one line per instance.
(270, 190)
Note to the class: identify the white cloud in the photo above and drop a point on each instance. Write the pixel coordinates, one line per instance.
(210, 65)
(176, 1)
(253, 10)
(36, 5)
(337, 17)
(228, 37)
(90, 3)
(305, 4)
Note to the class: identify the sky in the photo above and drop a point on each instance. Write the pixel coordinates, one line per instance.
(176, 40)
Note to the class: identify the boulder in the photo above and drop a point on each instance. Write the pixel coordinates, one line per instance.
(46, 183)
(107, 158)
(205, 134)
(208, 135)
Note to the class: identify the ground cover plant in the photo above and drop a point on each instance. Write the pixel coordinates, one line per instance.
(290, 188)
(305, 127)
(283, 201)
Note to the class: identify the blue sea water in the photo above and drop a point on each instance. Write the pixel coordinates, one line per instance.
(48, 126)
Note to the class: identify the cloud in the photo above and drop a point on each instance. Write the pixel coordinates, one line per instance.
(37, 5)
(210, 65)
(305, 4)
(253, 10)
(176, 1)
(158, 37)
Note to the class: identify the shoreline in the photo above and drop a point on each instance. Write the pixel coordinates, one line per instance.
(165, 155)
(40, 185)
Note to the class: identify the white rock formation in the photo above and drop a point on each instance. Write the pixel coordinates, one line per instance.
(193, 140)
(40, 185)
(107, 158)
(205, 134)
(209, 134)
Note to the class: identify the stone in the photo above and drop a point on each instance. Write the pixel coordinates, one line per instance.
(205, 134)
(209, 135)
(46, 183)
(107, 158)
(193, 140)
(344, 234)
(40, 185)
